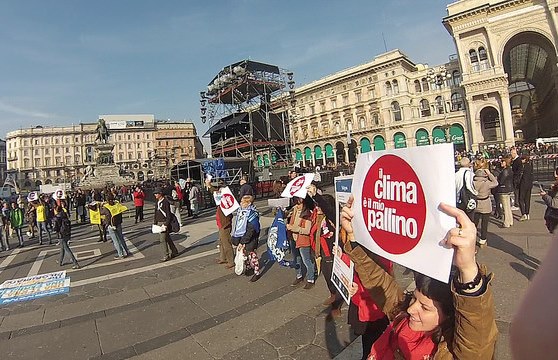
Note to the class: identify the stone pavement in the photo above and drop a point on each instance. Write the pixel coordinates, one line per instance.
(192, 308)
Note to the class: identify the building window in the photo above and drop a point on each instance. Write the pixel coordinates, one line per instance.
(57, 150)
(388, 89)
(424, 108)
(370, 94)
(396, 111)
(47, 151)
(130, 156)
(417, 87)
(77, 159)
(456, 102)
(456, 78)
(26, 163)
(25, 152)
(345, 100)
(138, 146)
(474, 59)
(424, 83)
(376, 119)
(439, 105)
(349, 125)
(333, 104)
(47, 161)
(322, 106)
(395, 86)
(139, 155)
(129, 137)
(37, 162)
(67, 150)
(312, 110)
(36, 141)
(358, 96)
(362, 122)
(483, 59)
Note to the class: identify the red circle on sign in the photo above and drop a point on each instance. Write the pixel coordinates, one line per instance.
(393, 205)
(227, 201)
(297, 185)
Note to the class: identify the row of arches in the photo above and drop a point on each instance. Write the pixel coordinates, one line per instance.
(340, 153)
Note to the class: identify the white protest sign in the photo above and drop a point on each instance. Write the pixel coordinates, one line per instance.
(397, 193)
(228, 202)
(58, 194)
(298, 186)
(342, 273)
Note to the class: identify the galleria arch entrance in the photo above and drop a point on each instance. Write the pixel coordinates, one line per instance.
(530, 62)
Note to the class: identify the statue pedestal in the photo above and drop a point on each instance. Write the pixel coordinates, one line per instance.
(105, 172)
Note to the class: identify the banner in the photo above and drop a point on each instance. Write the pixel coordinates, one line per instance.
(342, 274)
(298, 186)
(116, 209)
(228, 202)
(397, 194)
(34, 287)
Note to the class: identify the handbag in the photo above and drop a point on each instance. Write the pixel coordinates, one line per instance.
(467, 201)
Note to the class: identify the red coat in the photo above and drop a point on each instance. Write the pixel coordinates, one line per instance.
(139, 198)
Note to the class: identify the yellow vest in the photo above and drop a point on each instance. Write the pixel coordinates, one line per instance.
(116, 209)
(41, 213)
(95, 216)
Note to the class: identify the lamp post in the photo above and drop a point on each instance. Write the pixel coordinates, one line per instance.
(438, 78)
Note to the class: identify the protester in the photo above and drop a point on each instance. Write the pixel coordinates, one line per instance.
(62, 226)
(517, 170)
(41, 208)
(31, 218)
(176, 204)
(525, 187)
(299, 226)
(16, 222)
(224, 224)
(246, 234)
(113, 220)
(139, 201)
(483, 181)
(437, 320)
(505, 190)
(163, 217)
(550, 199)
(4, 232)
(99, 219)
(187, 196)
(464, 177)
(80, 201)
(535, 324)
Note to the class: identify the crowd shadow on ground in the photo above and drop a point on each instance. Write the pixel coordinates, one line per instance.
(527, 264)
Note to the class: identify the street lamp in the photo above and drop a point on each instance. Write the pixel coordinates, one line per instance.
(438, 78)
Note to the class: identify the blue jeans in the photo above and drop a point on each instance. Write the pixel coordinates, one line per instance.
(42, 225)
(304, 256)
(118, 240)
(65, 248)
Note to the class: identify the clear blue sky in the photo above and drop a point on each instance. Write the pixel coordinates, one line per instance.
(68, 61)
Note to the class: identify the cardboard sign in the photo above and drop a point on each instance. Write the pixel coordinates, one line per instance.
(228, 202)
(342, 274)
(298, 186)
(396, 197)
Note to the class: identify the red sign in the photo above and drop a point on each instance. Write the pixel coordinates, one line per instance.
(393, 205)
(297, 185)
(227, 201)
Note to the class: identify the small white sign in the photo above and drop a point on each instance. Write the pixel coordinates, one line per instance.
(396, 197)
(228, 202)
(298, 186)
(343, 272)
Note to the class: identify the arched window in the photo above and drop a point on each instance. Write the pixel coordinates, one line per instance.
(456, 78)
(362, 122)
(417, 86)
(474, 58)
(396, 111)
(388, 88)
(456, 102)
(424, 108)
(425, 86)
(395, 86)
(483, 59)
(439, 105)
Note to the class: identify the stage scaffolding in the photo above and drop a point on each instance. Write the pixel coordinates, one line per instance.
(246, 105)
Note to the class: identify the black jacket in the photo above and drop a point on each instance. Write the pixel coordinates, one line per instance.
(517, 169)
(505, 181)
(162, 213)
(526, 181)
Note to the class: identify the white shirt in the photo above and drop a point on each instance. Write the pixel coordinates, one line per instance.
(468, 180)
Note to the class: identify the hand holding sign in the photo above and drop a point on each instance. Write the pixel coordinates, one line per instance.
(346, 218)
(463, 240)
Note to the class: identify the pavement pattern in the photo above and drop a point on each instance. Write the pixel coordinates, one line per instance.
(192, 308)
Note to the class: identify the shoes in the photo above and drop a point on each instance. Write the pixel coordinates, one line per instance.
(76, 267)
(165, 259)
(528, 217)
(329, 300)
(173, 255)
(523, 218)
(481, 242)
(297, 281)
(255, 278)
(117, 257)
(309, 285)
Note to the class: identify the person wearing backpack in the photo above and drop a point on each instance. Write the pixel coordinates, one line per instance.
(464, 188)
(63, 226)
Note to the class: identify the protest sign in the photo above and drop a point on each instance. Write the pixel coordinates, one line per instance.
(396, 198)
(32, 280)
(343, 272)
(30, 292)
(59, 194)
(298, 186)
(228, 202)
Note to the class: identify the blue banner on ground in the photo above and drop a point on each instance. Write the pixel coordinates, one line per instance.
(34, 287)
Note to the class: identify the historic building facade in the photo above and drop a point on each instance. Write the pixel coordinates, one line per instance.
(389, 102)
(3, 161)
(507, 52)
(45, 155)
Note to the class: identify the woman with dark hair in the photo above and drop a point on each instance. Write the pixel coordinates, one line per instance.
(525, 187)
(299, 226)
(436, 320)
(505, 190)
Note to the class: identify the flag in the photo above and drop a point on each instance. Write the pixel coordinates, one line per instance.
(11, 181)
(277, 241)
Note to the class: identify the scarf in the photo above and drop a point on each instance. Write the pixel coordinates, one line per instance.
(402, 342)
